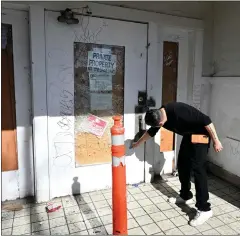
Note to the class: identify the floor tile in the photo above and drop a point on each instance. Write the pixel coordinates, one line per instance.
(133, 205)
(87, 207)
(174, 231)
(69, 202)
(107, 219)
(7, 231)
(39, 226)
(145, 202)
(179, 221)
(74, 218)
(99, 197)
(133, 191)
(93, 223)
(57, 222)
(151, 209)
(165, 225)
(146, 188)
(203, 227)
(85, 232)
(226, 218)
(139, 196)
(215, 222)
(136, 231)
(24, 229)
(76, 227)
(24, 220)
(171, 213)
(89, 215)
(137, 212)
(98, 231)
(211, 232)
(158, 216)
(38, 209)
(61, 230)
(83, 200)
(43, 232)
(132, 223)
(101, 204)
(226, 230)
(163, 206)
(130, 198)
(235, 215)
(188, 230)
(71, 210)
(56, 214)
(39, 217)
(23, 212)
(151, 229)
(217, 210)
(104, 211)
(7, 223)
(144, 220)
(157, 199)
(7, 215)
(109, 229)
(151, 194)
(235, 226)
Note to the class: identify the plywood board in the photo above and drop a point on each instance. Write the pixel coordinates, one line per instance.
(99, 84)
(169, 88)
(8, 127)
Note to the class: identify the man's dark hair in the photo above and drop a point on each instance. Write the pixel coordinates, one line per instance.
(153, 117)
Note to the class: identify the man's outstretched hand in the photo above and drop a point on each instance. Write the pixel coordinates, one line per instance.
(133, 145)
(217, 146)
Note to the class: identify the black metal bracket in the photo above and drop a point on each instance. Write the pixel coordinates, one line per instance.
(144, 103)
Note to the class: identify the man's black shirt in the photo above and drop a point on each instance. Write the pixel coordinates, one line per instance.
(183, 119)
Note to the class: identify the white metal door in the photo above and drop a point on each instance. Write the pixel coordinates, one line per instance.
(63, 89)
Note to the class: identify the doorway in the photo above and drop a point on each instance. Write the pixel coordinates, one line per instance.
(17, 157)
(94, 71)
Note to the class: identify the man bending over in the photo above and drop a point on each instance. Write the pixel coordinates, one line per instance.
(196, 129)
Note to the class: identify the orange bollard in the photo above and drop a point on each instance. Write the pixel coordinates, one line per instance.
(119, 197)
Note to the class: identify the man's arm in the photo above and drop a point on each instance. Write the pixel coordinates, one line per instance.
(213, 134)
(147, 135)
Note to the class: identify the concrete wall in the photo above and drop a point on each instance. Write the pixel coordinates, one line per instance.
(19, 183)
(224, 106)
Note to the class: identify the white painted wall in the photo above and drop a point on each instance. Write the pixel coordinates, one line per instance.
(226, 38)
(225, 113)
(223, 93)
(19, 184)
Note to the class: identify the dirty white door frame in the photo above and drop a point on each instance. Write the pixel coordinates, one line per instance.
(189, 73)
(20, 183)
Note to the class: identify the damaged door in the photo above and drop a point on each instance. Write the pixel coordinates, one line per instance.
(94, 71)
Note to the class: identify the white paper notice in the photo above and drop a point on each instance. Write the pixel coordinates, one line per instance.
(101, 101)
(101, 61)
(100, 82)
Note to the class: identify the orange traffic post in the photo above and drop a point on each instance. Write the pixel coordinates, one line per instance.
(119, 197)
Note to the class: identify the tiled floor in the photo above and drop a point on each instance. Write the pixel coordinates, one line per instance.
(148, 213)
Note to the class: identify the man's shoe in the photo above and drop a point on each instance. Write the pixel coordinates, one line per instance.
(179, 200)
(201, 217)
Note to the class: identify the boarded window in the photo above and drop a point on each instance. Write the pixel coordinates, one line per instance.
(8, 129)
(169, 88)
(99, 94)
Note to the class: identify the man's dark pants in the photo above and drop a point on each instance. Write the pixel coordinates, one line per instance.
(192, 157)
